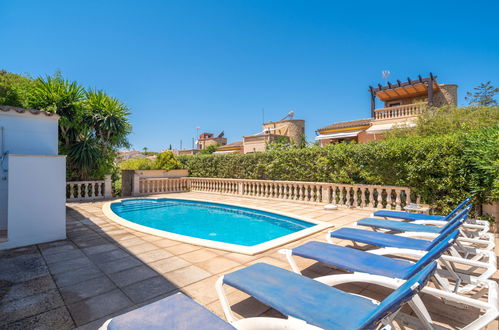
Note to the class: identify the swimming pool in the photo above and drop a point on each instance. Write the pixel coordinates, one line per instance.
(224, 226)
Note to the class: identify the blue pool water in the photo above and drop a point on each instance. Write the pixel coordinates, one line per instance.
(212, 221)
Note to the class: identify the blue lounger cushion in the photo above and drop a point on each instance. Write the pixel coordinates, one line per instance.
(301, 297)
(174, 312)
(417, 216)
(317, 303)
(406, 215)
(354, 260)
(397, 225)
(381, 239)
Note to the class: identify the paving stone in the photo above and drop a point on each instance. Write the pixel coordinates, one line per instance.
(141, 248)
(94, 308)
(120, 264)
(182, 248)
(22, 267)
(67, 265)
(87, 289)
(19, 309)
(28, 288)
(74, 276)
(167, 265)
(218, 264)
(56, 247)
(154, 255)
(198, 255)
(62, 256)
(92, 242)
(58, 318)
(145, 290)
(132, 275)
(99, 248)
(109, 256)
(187, 275)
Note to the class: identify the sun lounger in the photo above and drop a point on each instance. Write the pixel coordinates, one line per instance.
(378, 263)
(432, 227)
(418, 216)
(465, 248)
(179, 312)
(319, 304)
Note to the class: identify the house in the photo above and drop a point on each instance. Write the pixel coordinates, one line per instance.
(402, 103)
(292, 130)
(231, 148)
(208, 139)
(286, 129)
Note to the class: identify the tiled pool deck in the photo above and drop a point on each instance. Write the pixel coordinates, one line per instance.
(104, 269)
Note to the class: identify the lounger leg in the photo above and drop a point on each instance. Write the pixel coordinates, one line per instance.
(224, 301)
(289, 256)
(419, 308)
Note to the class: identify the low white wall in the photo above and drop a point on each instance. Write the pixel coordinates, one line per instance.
(36, 209)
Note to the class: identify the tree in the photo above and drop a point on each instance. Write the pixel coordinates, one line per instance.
(14, 89)
(210, 149)
(92, 124)
(483, 95)
(145, 149)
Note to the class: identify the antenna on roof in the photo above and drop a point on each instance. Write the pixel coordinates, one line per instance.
(385, 74)
(290, 115)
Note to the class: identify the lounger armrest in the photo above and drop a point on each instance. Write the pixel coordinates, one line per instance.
(338, 279)
(273, 323)
(490, 264)
(477, 226)
(431, 222)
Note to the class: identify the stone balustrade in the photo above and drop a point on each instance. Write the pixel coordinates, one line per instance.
(160, 185)
(89, 190)
(406, 110)
(356, 195)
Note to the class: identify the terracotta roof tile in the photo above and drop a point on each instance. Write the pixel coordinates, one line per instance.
(6, 108)
(232, 145)
(347, 124)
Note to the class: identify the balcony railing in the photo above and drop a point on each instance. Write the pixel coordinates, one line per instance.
(407, 110)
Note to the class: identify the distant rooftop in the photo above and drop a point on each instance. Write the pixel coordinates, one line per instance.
(347, 124)
(236, 144)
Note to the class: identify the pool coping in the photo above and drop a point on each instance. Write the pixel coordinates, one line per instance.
(248, 250)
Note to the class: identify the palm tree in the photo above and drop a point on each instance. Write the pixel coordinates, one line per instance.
(92, 124)
(108, 117)
(55, 94)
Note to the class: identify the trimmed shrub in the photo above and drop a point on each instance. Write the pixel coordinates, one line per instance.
(442, 169)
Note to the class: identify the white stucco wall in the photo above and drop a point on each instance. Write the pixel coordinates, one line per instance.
(36, 199)
(27, 134)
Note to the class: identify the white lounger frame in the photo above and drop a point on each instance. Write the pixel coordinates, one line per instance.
(478, 228)
(490, 307)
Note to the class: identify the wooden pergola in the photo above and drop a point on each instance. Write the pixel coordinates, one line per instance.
(404, 89)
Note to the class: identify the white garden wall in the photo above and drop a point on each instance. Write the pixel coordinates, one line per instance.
(36, 200)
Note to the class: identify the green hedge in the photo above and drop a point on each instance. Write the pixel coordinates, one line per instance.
(441, 169)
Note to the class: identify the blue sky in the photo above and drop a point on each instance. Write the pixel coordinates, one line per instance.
(217, 64)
